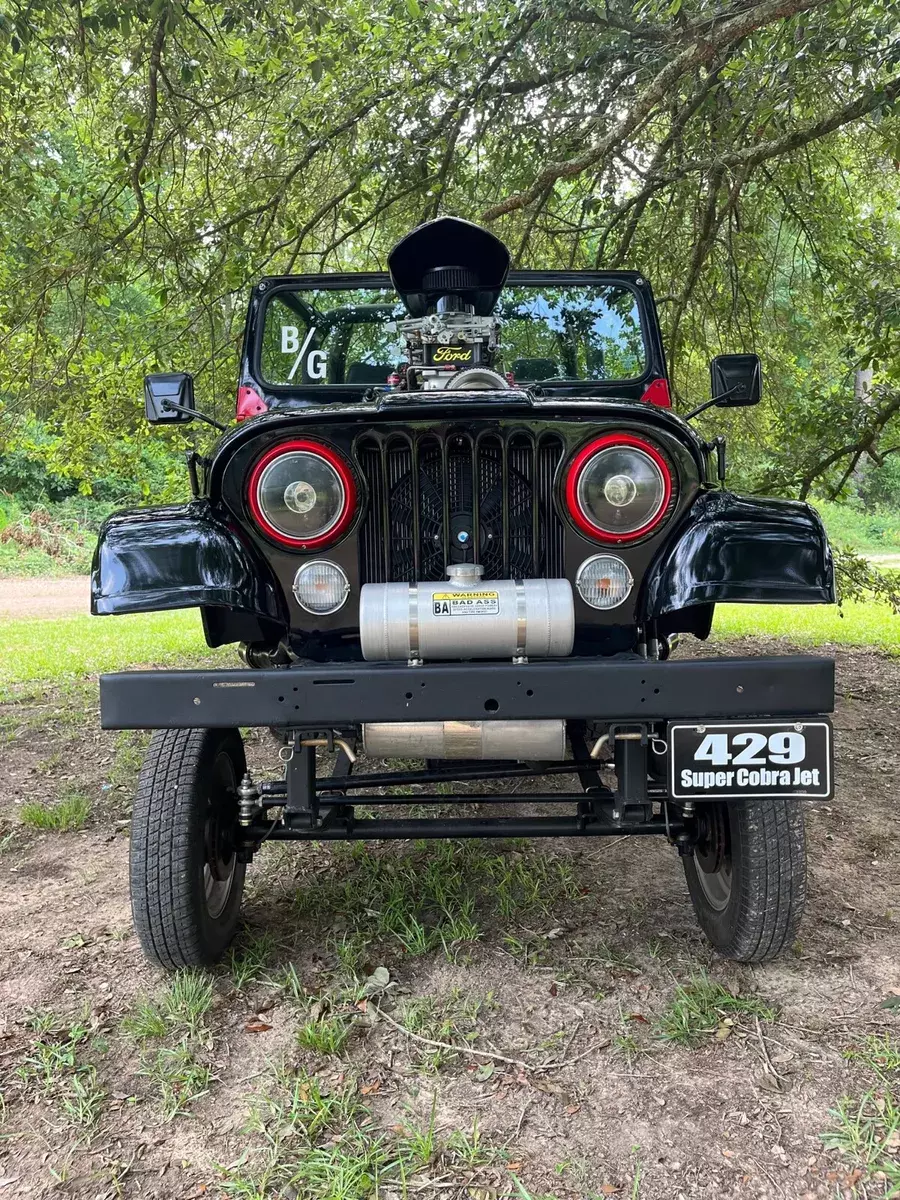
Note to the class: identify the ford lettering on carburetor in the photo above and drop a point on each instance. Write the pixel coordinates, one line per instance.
(458, 522)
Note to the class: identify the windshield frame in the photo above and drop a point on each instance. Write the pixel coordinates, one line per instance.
(330, 393)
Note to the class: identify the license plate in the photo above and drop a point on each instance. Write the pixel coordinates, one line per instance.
(750, 760)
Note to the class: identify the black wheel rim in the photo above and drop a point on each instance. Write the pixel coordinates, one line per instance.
(219, 859)
(713, 855)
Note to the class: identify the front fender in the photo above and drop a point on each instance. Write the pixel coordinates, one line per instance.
(181, 556)
(742, 550)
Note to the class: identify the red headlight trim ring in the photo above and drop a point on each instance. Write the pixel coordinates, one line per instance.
(573, 477)
(335, 461)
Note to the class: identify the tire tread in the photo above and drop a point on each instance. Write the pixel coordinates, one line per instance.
(163, 898)
(771, 894)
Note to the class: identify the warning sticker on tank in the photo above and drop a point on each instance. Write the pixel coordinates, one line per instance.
(466, 604)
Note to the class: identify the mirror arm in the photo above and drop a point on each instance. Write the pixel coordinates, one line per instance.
(171, 406)
(695, 412)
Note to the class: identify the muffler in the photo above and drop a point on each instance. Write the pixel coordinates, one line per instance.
(528, 741)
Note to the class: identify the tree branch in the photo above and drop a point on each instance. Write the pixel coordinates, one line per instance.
(144, 151)
(701, 52)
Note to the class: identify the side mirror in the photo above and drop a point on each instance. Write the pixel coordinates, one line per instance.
(736, 380)
(169, 399)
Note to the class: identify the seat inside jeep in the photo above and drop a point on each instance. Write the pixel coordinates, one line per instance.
(363, 372)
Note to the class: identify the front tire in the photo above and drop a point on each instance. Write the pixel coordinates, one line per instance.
(186, 881)
(747, 876)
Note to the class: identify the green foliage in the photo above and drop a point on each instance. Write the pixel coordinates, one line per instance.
(172, 1032)
(156, 159)
(325, 1034)
(179, 1009)
(316, 1140)
(49, 539)
(179, 1078)
(870, 528)
(55, 1065)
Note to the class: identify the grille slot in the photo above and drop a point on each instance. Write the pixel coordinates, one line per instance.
(438, 499)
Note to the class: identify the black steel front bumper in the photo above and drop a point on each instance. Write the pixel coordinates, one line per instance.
(615, 689)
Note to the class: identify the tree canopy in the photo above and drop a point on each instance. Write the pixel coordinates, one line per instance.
(158, 157)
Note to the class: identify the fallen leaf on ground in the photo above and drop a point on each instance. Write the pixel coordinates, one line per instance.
(257, 1027)
(377, 981)
(769, 1082)
(368, 1089)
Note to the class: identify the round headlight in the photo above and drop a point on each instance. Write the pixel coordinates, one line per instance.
(618, 488)
(321, 587)
(604, 581)
(302, 494)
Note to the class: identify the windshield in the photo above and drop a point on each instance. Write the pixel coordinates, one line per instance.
(349, 336)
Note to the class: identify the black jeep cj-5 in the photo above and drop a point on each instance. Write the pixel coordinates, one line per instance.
(459, 522)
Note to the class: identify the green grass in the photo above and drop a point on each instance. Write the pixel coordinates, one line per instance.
(179, 1009)
(326, 1034)
(879, 1052)
(699, 1007)
(55, 1066)
(429, 897)
(85, 645)
(66, 815)
(316, 1140)
(452, 1019)
(867, 1131)
(854, 624)
(170, 1029)
(866, 1128)
(71, 647)
(179, 1078)
(16, 561)
(247, 960)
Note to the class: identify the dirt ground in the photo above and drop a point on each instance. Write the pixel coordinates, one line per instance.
(45, 596)
(575, 980)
